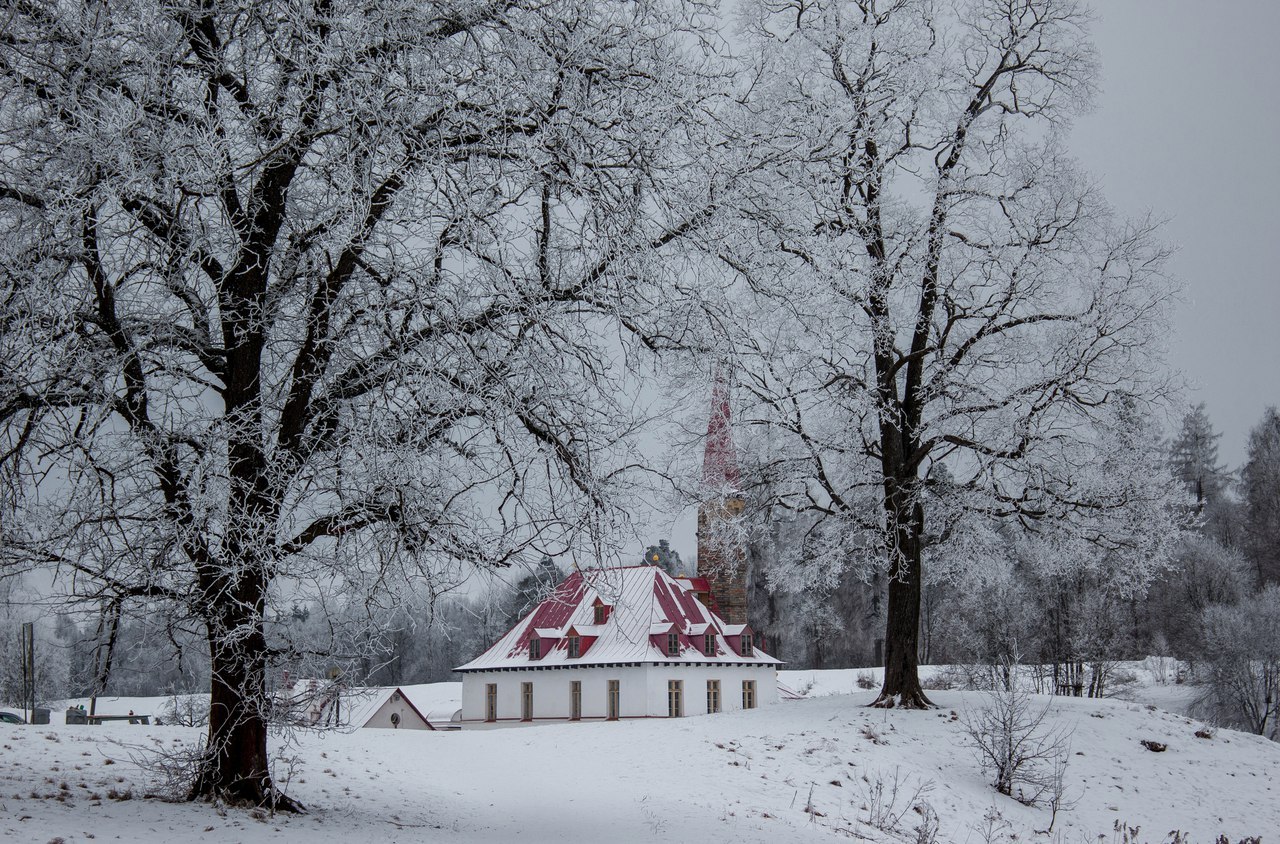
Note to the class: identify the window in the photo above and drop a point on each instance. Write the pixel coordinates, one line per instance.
(601, 614)
(491, 702)
(575, 701)
(713, 695)
(526, 701)
(535, 648)
(615, 703)
(748, 694)
(675, 698)
(673, 644)
(709, 644)
(746, 644)
(575, 647)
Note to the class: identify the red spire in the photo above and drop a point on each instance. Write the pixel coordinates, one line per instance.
(720, 461)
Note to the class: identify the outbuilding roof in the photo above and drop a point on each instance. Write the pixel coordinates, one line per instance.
(645, 601)
(360, 705)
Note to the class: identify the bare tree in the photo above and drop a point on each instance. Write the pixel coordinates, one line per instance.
(953, 323)
(307, 298)
(1241, 663)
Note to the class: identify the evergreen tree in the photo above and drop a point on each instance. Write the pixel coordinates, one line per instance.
(1194, 457)
(1260, 488)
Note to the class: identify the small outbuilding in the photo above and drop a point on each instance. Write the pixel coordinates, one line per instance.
(317, 703)
(385, 708)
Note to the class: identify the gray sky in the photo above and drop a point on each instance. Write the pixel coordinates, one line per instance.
(1188, 126)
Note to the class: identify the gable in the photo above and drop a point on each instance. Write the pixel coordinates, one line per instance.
(396, 712)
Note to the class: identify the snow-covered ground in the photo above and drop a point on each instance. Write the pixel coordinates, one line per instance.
(1152, 680)
(439, 698)
(737, 777)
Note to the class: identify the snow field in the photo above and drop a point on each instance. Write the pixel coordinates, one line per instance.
(802, 770)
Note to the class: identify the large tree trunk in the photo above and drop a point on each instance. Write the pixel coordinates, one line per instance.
(235, 767)
(902, 622)
(902, 640)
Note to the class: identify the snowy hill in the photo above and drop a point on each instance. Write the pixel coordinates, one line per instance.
(740, 777)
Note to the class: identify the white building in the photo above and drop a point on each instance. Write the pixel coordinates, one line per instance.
(618, 643)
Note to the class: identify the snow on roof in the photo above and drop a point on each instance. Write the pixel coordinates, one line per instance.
(645, 601)
(430, 698)
(359, 705)
(439, 718)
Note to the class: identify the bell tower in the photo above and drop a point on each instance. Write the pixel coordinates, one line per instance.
(722, 554)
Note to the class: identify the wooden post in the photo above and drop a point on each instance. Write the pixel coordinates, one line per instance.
(27, 647)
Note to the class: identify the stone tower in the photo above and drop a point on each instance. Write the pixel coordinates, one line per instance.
(722, 553)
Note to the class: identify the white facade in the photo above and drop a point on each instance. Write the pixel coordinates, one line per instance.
(642, 691)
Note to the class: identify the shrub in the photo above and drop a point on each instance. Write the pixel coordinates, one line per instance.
(185, 711)
(1025, 757)
(888, 800)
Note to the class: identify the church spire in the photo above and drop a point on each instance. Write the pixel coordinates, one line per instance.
(719, 460)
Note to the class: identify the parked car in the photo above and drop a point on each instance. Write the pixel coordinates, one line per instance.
(11, 718)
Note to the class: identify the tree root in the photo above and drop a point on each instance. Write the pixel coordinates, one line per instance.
(903, 700)
(249, 794)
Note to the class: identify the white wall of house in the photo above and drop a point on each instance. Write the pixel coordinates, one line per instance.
(694, 686)
(551, 693)
(642, 691)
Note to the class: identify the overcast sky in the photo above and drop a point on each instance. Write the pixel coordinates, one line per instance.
(1188, 126)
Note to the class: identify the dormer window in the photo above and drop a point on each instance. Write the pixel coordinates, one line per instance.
(602, 614)
(747, 649)
(535, 648)
(673, 644)
(709, 644)
(575, 646)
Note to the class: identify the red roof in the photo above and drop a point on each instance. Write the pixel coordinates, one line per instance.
(645, 603)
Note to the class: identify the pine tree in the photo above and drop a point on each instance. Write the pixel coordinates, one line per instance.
(1260, 487)
(1194, 457)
